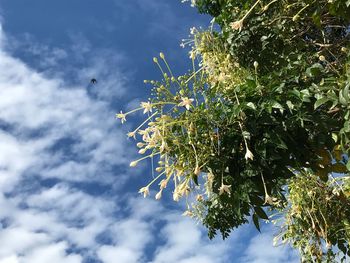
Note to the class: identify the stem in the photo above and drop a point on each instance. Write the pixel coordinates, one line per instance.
(195, 153)
(301, 10)
(145, 121)
(268, 5)
(148, 156)
(251, 9)
(193, 75)
(167, 65)
(155, 179)
(160, 68)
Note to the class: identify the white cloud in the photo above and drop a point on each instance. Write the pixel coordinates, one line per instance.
(31, 104)
(54, 131)
(109, 254)
(10, 259)
(184, 242)
(261, 250)
(53, 253)
(20, 240)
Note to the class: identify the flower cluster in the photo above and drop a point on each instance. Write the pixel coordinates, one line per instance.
(180, 135)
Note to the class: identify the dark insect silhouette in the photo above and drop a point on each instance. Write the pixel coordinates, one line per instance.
(93, 81)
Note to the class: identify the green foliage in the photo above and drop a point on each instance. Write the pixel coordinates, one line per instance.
(267, 99)
(317, 219)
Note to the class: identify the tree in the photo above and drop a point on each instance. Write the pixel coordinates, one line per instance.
(260, 123)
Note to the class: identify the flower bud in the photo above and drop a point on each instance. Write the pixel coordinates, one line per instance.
(161, 54)
(199, 198)
(163, 184)
(159, 195)
(295, 18)
(133, 164)
(142, 151)
(159, 169)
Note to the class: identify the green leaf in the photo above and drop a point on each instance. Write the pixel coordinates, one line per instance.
(256, 200)
(320, 101)
(256, 221)
(342, 100)
(316, 17)
(296, 93)
(348, 165)
(315, 70)
(334, 137)
(260, 212)
(277, 105)
(345, 92)
(195, 179)
(290, 105)
(338, 168)
(251, 105)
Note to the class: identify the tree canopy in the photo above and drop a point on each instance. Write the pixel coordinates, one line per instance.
(259, 125)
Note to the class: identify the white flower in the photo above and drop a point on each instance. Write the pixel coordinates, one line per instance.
(238, 25)
(132, 134)
(224, 188)
(121, 116)
(248, 155)
(147, 106)
(163, 146)
(222, 77)
(188, 213)
(159, 194)
(192, 30)
(192, 54)
(144, 191)
(176, 196)
(186, 102)
(270, 200)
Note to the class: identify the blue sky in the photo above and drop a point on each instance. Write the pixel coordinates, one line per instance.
(67, 193)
